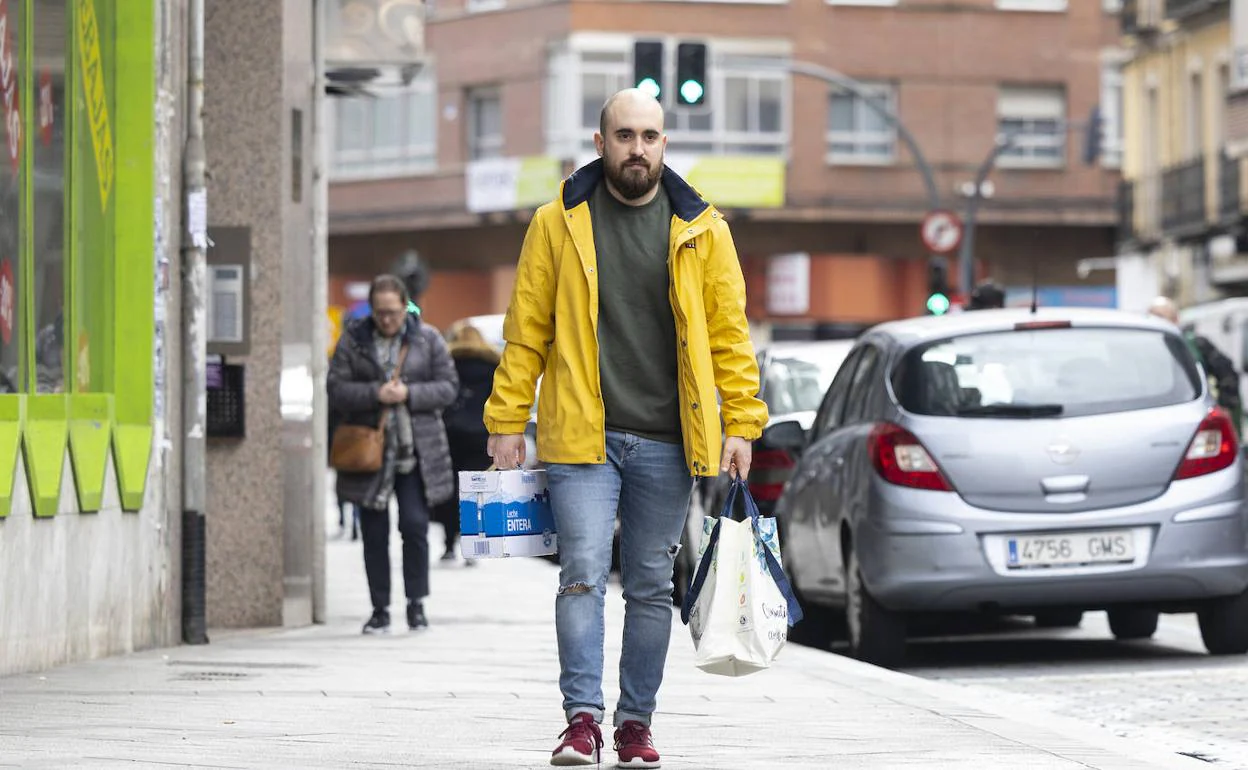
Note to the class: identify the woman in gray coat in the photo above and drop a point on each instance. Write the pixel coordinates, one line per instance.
(417, 461)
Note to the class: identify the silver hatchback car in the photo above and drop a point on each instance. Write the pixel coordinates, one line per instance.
(1013, 462)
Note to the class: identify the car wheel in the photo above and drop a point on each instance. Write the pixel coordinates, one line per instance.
(1224, 625)
(1059, 619)
(876, 635)
(1133, 623)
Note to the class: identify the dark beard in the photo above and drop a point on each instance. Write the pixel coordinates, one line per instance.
(631, 185)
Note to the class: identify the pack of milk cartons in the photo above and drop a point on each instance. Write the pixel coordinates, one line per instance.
(505, 513)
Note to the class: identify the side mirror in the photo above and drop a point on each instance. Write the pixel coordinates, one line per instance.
(787, 435)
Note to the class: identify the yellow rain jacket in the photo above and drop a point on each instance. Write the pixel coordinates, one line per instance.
(551, 329)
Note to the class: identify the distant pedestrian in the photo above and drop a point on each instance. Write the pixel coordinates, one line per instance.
(987, 296)
(475, 362)
(629, 302)
(1220, 371)
(391, 365)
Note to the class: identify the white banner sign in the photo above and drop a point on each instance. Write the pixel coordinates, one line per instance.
(788, 284)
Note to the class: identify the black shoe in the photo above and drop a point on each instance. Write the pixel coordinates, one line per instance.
(379, 623)
(449, 555)
(416, 616)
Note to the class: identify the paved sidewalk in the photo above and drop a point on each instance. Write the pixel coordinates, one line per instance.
(479, 689)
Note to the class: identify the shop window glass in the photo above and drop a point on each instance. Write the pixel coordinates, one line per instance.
(12, 309)
(48, 148)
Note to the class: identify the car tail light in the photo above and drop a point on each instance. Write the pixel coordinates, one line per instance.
(765, 482)
(900, 459)
(1212, 449)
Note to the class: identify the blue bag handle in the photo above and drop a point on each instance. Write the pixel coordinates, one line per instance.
(773, 566)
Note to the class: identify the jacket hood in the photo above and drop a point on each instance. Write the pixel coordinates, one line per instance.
(471, 349)
(686, 202)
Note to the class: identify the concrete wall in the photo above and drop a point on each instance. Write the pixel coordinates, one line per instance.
(302, 454)
(263, 489)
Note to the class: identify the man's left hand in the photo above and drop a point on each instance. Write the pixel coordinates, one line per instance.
(736, 457)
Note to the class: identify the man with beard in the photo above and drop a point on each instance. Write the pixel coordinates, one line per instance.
(629, 300)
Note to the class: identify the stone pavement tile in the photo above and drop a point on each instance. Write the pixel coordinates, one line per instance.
(478, 689)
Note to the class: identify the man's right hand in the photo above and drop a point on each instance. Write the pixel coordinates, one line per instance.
(507, 451)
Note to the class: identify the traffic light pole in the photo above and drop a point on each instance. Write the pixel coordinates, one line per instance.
(966, 255)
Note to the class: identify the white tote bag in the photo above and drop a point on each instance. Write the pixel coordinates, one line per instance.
(739, 604)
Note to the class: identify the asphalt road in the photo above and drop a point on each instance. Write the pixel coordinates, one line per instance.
(1167, 690)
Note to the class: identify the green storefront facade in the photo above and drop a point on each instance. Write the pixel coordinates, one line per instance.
(77, 244)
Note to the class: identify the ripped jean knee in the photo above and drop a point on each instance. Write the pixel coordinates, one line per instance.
(575, 588)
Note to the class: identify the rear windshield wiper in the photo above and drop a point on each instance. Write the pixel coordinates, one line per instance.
(1011, 410)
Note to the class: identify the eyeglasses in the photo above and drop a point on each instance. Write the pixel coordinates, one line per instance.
(388, 313)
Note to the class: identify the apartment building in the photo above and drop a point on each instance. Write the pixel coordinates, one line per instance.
(824, 196)
(1182, 198)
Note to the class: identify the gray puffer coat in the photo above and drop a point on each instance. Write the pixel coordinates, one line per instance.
(355, 377)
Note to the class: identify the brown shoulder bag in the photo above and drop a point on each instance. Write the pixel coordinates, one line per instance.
(362, 448)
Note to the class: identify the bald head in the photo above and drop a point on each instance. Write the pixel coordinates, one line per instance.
(626, 104)
(631, 143)
(1164, 307)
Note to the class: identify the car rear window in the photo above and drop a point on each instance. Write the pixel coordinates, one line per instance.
(1065, 372)
(793, 383)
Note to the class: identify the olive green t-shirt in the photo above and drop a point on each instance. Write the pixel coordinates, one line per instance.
(636, 330)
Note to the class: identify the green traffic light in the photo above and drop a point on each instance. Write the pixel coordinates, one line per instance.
(649, 86)
(691, 91)
(938, 304)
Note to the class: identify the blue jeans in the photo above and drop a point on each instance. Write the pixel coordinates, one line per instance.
(648, 482)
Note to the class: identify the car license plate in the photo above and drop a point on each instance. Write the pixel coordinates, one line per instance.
(1064, 549)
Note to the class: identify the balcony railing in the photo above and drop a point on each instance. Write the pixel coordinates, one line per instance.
(1228, 188)
(1177, 9)
(1183, 197)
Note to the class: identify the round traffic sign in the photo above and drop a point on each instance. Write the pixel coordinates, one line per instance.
(941, 231)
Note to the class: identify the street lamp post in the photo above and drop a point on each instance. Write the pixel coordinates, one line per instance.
(846, 83)
(966, 256)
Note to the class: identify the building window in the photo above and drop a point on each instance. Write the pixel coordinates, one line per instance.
(485, 124)
(1111, 6)
(479, 6)
(1048, 6)
(1035, 118)
(747, 108)
(862, 2)
(389, 134)
(1111, 113)
(857, 132)
(1195, 114)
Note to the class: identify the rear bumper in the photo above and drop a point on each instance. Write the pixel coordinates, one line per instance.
(932, 551)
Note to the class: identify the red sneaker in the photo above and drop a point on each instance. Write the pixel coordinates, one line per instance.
(582, 743)
(636, 749)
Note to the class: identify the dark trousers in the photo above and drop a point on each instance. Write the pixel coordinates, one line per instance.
(409, 491)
